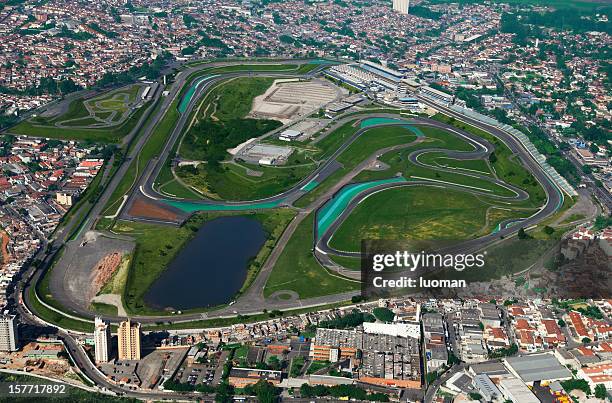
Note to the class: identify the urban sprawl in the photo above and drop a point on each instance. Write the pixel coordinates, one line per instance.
(540, 72)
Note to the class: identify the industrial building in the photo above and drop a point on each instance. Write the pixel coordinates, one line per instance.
(486, 387)
(304, 129)
(393, 329)
(337, 107)
(265, 154)
(289, 135)
(335, 344)
(387, 354)
(537, 367)
(516, 391)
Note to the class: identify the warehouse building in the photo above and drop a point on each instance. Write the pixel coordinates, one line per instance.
(266, 154)
(537, 367)
(289, 135)
(241, 377)
(486, 387)
(516, 391)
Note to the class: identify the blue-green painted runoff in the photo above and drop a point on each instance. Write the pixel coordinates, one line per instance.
(378, 121)
(385, 121)
(191, 207)
(310, 185)
(191, 92)
(334, 207)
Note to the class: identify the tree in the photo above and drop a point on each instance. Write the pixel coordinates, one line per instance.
(350, 320)
(475, 396)
(548, 230)
(602, 222)
(492, 158)
(383, 314)
(522, 234)
(586, 340)
(453, 359)
(266, 392)
(561, 323)
(225, 392)
(274, 363)
(601, 392)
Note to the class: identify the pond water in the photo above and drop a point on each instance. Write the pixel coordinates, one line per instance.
(211, 268)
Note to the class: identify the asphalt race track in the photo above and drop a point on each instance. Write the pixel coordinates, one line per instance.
(253, 301)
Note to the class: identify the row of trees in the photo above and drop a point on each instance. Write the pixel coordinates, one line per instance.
(341, 391)
(47, 85)
(149, 70)
(224, 392)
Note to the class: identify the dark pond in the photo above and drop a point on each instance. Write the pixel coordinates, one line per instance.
(211, 268)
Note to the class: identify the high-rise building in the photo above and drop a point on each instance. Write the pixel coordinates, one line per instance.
(102, 337)
(129, 340)
(8, 333)
(401, 6)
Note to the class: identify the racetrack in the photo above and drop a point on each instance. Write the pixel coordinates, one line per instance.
(253, 301)
(481, 149)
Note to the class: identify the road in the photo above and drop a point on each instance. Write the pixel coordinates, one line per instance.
(433, 387)
(481, 150)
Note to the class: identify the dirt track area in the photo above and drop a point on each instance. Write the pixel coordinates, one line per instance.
(72, 278)
(142, 208)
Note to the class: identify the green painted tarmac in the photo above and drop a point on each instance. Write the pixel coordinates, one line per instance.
(191, 92)
(191, 207)
(334, 207)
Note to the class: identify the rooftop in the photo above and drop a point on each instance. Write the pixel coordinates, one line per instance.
(537, 367)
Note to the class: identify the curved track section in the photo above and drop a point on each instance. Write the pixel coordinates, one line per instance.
(481, 149)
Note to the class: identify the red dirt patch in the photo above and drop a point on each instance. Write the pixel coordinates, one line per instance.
(105, 269)
(141, 208)
(6, 258)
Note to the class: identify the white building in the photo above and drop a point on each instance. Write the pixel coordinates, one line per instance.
(393, 329)
(101, 340)
(401, 6)
(8, 333)
(516, 391)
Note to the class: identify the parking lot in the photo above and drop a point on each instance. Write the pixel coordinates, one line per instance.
(207, 373)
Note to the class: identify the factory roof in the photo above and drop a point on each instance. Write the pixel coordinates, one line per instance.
(537, 367)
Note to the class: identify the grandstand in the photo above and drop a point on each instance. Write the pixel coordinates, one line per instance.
(365, 74)
(561, 182)
(436, 96)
